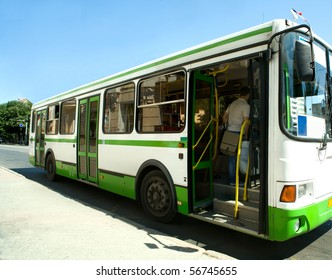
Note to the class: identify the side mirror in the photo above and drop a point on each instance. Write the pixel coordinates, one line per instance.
(304, 61)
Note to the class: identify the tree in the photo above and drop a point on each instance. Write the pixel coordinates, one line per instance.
(14, 120)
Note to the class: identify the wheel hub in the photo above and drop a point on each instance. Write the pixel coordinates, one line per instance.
(157, 197)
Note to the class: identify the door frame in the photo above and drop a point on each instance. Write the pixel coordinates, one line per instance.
(87, 142)
(40, 138)
(201, 194)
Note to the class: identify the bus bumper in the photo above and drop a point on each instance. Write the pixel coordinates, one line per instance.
(285, 224)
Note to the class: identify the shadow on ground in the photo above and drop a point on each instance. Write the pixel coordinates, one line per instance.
(207, 236)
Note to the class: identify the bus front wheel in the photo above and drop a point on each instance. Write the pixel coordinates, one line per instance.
(50, 168)
(157, 198)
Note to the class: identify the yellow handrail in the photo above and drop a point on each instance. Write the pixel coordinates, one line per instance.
(216, 119)
(199, 140)
(236, 206)
(199, 160)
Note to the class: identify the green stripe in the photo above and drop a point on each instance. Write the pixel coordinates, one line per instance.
(60, 140)
(142, 143)
(288, 108)
(169, 59)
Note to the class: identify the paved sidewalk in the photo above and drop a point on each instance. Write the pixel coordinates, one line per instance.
(39, 224)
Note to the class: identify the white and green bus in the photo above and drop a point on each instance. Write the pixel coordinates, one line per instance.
(152, 133)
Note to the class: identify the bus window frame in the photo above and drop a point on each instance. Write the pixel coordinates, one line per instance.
(60, 116)
(56, 120)
(33, 121)
(104, 107)
(183, 101)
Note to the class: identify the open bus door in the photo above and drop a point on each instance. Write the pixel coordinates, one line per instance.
(202, 139)
(88, 139)
(40, 138)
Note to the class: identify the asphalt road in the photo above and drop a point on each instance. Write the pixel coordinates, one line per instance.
(316, 245)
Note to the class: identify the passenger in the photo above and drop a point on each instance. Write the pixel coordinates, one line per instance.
(233, 118)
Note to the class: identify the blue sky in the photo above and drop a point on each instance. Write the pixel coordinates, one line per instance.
(51, 46)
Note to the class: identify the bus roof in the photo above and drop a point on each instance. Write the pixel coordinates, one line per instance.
(254, 35)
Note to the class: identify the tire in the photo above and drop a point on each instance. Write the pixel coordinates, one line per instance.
(157, 197)
(50, 168)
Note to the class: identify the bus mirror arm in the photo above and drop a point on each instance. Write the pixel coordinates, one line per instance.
(304, 52)
(323, 145)
(269, 53)
(312, 63)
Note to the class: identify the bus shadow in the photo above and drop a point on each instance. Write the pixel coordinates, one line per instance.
(208, 236)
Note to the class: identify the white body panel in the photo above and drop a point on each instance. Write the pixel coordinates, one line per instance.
(128, 159)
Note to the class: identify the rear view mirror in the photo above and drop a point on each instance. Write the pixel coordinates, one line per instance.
(304, 61)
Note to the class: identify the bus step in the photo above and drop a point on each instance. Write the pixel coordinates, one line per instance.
(227, 221)
(225, 192)
(245, 211)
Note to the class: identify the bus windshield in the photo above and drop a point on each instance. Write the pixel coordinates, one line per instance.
(305, 109)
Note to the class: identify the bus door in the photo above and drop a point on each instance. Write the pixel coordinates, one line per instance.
(202, 139)
(88, 139)
(40, 138)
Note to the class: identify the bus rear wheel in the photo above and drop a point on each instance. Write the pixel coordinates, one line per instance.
(157, 197)
(50, 168)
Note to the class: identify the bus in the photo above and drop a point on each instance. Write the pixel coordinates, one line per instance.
(152, 133)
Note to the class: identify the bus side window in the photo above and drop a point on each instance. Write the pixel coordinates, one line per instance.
(33, 122)
(67, 118)
(119, 109)
(161, 104)
(52, 122)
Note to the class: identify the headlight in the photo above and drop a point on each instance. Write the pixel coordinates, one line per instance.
(302, 190)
